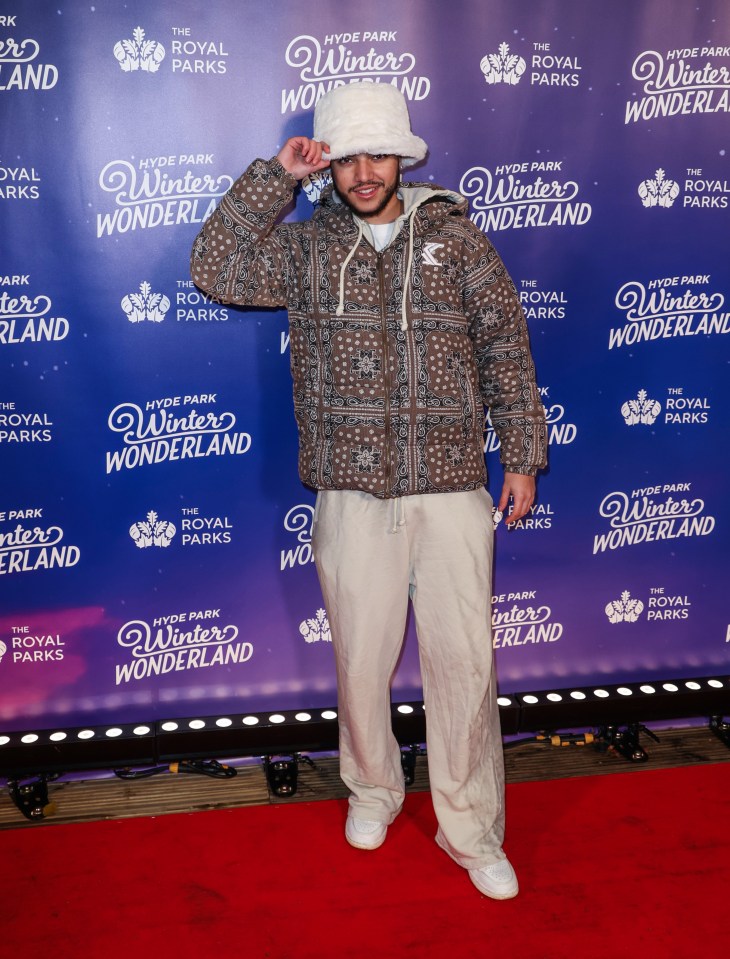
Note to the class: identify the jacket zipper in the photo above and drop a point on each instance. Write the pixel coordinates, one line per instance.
(386, 373)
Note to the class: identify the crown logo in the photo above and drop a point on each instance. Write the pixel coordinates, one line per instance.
(3, 649)
(139, 54)
(145, 305)
(641, 410)
(316, 630)
(659, 191)
(503, 67)
(153, 532)
(624, 610)
(315, 183)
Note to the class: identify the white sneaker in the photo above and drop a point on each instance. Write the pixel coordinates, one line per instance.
(365, 833)
(497, 881)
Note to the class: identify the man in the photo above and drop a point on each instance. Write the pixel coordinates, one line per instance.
(403, 324)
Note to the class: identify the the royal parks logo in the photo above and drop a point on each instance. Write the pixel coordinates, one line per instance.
(139, 52)
(624, 610)
(519, 619)
(28, 543)
(668, 307)
(540, 304)
(548, 67)
(680, 82)
(19, 182)
(661, 606)
(179, 642)
(659, 190)
(643, 410)
(173, 428)
(503, 66)
(651, 514)
(339, 58)
(22, 426)
(145, 305)
(523, 194)
(316, 629)
(32, 647)
(21, 65)
(191, 55)
(680, 408)
(152, 531)
(159, 191)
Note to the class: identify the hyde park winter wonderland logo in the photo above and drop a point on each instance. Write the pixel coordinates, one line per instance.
(651, 514)
(29, 546)
(160, 191)
(668, 307)
(351, 57)
(19, 65)
(179, 642)
(520, 195)
(679, 83)
(161, 432)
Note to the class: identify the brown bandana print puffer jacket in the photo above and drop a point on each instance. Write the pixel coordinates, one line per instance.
(389, 389)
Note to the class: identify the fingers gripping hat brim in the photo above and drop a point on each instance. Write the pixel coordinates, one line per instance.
(367, 118)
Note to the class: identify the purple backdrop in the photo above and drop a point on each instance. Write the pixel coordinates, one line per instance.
(154, 538)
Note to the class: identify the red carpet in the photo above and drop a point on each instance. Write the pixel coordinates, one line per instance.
(625, 865)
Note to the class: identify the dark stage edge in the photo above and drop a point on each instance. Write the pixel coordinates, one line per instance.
(89, 800)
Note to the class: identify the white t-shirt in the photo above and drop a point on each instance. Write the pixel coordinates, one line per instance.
(382, 233)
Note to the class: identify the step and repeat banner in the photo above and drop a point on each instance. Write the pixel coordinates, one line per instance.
(155, 554)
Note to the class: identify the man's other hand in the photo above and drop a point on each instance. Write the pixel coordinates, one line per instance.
(522, 490)
(301, 156)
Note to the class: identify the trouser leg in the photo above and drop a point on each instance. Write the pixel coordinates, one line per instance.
(451, 536)
(363, 572)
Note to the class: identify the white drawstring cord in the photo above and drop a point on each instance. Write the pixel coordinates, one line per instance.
(409, 264)
(399, 515)
(341, 306)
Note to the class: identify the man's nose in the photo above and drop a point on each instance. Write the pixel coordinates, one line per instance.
(363, 168)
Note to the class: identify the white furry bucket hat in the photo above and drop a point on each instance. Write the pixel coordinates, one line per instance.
(367, 118)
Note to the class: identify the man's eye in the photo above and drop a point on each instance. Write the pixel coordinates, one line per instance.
(378, 156)
(344, 160)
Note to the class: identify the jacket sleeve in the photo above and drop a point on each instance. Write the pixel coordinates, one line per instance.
(506, 370)
(237, 256)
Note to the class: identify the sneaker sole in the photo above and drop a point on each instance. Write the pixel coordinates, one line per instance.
(496, 895)
(359, 845)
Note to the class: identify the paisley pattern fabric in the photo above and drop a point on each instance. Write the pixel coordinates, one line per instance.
(381, 409)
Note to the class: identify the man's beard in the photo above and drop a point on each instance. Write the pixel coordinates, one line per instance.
(387, 197)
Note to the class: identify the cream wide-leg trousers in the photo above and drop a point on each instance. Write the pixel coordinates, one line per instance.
(371, 555)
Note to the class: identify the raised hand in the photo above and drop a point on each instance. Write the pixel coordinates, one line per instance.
(301, 156)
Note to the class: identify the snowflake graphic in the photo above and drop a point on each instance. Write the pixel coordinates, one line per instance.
(503, 67)
(366, 364)
(317, 629)
(139, 54)
(154, 532)
(658, 192)
(624, 610)
(365, 459)
(641, 410)
(362, 272)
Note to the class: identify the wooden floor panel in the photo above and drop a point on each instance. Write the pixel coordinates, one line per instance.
(80, 801)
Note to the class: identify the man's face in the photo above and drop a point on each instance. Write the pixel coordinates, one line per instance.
(367, 183)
